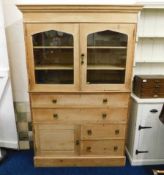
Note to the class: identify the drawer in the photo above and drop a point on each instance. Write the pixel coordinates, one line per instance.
(151, 94)
(102, 131)
(152, 85)
(102, 147)
(85, 114)
(102, 100)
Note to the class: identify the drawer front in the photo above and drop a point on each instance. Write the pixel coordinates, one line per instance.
(151, 85)
(55, 139)
(153, 90)
(102, 131)
(70, 115)
(102, 100)
(152, 94)
(102, 147)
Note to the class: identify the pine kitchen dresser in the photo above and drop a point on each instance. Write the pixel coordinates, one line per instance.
(79, 60)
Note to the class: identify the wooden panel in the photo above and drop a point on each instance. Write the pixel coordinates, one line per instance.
(41, 161)
(102, 131)
(102, 147)
(59, 100)
(80, 115)
(150, 50)
(79, 17)
(55, 139)
(151, 23)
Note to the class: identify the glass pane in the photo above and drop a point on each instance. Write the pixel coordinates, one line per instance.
(52, 38)
(50, 56)
(105, 76)
(54, 76)
(107, 38)
(53, 57)
(106, 57)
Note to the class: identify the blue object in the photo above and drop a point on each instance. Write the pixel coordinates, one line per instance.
(21, 163)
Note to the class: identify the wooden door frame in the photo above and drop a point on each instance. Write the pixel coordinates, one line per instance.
(33, 28)
(130, 30)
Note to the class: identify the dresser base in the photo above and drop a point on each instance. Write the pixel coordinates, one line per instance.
(78, 161)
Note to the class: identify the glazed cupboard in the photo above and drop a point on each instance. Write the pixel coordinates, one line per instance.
(79, 60)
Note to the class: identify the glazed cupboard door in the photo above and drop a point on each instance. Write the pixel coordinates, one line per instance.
(106, 56)
(52, 56)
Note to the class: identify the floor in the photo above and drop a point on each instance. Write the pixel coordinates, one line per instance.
(21, 163)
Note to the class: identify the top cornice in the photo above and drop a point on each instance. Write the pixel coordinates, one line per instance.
(34, 8)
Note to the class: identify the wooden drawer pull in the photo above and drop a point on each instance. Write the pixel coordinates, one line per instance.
(77, 142)
(104, 115)
(117, 131)
(105, 100)
(54, 101)
(89, 131)
(55, 116)
(155, 95)
(115, 148)
(88, 148)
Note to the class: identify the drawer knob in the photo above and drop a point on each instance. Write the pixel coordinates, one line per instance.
(88, 148)
(105, 100)
(54, 101)
(55, 116)
(155, 95)
(115, 148)
(117, 131)
(77, 142)
(89, 131)
(104, 115)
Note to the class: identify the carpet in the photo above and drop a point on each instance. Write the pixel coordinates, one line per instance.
(21, 163)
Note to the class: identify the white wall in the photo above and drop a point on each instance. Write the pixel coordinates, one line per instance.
(8, 132)
(15, 40)
(16, 49)
(3, 48)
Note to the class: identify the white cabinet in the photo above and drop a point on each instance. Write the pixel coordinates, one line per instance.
(146, 132)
